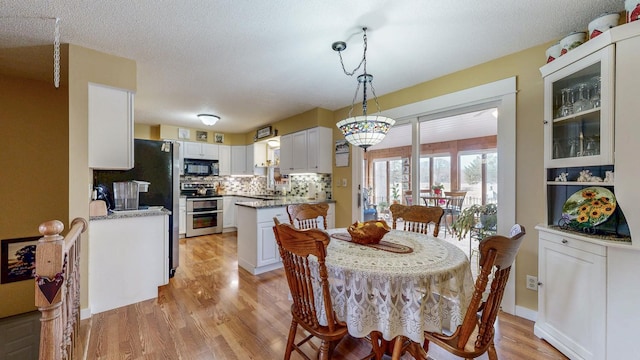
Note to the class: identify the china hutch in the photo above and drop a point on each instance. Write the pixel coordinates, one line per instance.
(588, 257)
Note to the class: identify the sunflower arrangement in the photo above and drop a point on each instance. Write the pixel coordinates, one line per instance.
(593, 209)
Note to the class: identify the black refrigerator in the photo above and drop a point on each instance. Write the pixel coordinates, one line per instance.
(158, 163)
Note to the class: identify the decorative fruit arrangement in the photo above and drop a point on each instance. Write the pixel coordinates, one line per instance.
(368, 232)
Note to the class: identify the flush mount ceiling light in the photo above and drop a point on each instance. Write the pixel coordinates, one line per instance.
(365, 130)
(208, 119)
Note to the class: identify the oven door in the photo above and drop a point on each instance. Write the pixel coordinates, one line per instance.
(204, 217)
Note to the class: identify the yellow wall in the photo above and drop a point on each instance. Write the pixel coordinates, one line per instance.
(34, 169)
(86, 65)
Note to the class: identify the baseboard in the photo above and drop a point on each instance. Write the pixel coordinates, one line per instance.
(528, 314)
(85, 313)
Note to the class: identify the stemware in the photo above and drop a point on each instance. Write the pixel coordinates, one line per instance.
(582, 94)
(595, 96)
(566, 108)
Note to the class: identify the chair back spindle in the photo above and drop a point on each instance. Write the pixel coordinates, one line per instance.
(305, 216)
(417, 218)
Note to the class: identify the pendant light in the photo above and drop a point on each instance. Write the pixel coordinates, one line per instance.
(364, 130)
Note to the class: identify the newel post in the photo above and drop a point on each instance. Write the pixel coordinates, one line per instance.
(48, 288)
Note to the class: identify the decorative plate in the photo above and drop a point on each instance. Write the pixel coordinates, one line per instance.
(589, 207)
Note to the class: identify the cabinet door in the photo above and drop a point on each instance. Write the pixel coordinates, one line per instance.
(110, 128)
(578, 112)
(192, 150)
(571, 299)
(239, 160)
(180, 148)
(267, 246)
(210, 152)
(319, 142)
(224, 152)
(229, 215)
(286, 153)
(300, 151)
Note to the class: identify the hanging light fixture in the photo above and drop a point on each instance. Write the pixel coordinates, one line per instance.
(208, 119)
(365, 130)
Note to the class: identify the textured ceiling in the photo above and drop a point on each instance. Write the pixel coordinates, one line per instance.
(256, 62)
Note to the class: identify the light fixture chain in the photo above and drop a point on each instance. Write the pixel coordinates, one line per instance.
(56, 54)
(353, 101)
(375, 97)
(363, 61)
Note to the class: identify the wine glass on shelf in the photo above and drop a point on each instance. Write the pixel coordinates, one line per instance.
(582, 94)
(566, 108)
(595, 96)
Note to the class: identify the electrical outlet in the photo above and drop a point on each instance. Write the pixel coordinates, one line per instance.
(532, 283)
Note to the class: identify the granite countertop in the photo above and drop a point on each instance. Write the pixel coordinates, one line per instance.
(132, 214)
(282, 201)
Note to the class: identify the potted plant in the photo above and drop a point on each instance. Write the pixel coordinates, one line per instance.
(481, 220)
(395, 193)
(437, 188)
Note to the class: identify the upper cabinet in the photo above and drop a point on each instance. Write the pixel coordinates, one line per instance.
(194, 150)
(224, 152)
(306, 151)
(110, 126)
(579, 112)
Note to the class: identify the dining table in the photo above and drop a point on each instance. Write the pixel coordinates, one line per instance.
(421, 283)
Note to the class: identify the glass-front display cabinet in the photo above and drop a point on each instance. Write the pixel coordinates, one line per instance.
(579, 112)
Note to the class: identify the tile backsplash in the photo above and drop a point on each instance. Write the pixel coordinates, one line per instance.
(258, 184)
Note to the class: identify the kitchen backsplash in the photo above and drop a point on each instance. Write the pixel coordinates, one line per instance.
(258, 184)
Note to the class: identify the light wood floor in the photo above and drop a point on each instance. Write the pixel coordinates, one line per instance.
(212, 309)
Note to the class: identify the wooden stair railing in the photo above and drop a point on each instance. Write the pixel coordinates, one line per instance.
(58, 288)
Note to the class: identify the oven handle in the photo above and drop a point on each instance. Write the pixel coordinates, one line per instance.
(204, 212)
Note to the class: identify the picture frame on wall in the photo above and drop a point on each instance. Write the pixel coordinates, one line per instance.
(202, 136)
(263, 132)
(17, 259)
(218, 138)
(184, 133)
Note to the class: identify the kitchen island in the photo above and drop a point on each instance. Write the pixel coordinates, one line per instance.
(128, 257)
(257, 247)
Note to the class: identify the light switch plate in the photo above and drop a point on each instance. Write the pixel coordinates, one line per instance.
(344, 182)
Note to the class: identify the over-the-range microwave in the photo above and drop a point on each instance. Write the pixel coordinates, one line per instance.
(199, 167)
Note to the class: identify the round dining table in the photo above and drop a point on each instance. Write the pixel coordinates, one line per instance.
(396, 293)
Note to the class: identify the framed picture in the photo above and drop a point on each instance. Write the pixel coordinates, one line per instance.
(218, 138)
(184, 133)
(17, 259)
(264, 132)
(201, 135)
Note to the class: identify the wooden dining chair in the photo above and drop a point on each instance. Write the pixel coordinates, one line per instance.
(417, 218)
(305, 216)
(474, 336)
(295, 248)
(453, 206)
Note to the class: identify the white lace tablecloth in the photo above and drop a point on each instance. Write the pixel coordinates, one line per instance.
(398, 294)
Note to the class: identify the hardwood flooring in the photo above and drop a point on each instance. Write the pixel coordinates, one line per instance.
(212, 309)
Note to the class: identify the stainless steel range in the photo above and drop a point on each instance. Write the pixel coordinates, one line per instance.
(204, 208)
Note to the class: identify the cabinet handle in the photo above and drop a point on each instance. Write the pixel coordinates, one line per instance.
(545, 122)
(539, 283)
(564, 241)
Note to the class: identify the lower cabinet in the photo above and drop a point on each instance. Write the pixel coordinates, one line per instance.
(229, 213)
(572, 295)
(257, 247)
(128, 260)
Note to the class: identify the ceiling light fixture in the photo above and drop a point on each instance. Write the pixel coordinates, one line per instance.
(208, 119)
(365, 130)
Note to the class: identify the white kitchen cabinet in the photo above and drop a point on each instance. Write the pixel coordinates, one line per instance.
(574, 322)
(229, 213)
(580, 135)
(110, 126)
(239, 160)
(306, 151)
(224, 152)
(319, 143)
(331, 216)
(182, 217)
(257, 248)
(256, 159)
(194, 150)
(128, 260)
